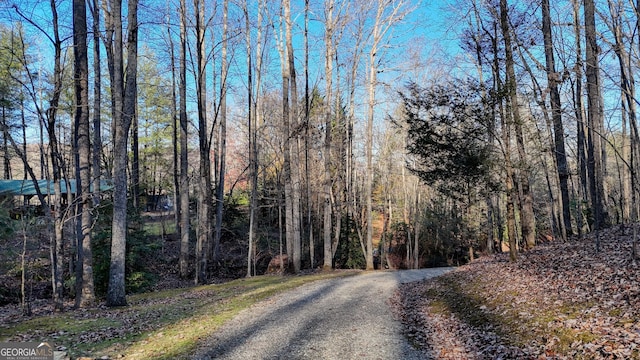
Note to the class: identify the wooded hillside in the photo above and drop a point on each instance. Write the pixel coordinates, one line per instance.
(560, 301)
(325, 134)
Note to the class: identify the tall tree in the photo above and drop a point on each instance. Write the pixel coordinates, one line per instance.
(528, 226)
(124, 101)
(253, 161)
(307, 122)
(57, 245)
(222, 150)
(388, 13)
(184, 138)
(17, 59)
(97, 103)
(328, 76)
(84, 274)
(629, 108)
(294, 142)
(204, 184)
(255, 108)
(558, 129)
(174, 130)
(595, 120)
(581, 139)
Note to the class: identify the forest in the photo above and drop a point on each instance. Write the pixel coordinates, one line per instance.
(222, 139)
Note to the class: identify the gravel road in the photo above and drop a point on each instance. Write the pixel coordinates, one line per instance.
(343, 318)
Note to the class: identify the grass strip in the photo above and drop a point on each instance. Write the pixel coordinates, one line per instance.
(160, 325)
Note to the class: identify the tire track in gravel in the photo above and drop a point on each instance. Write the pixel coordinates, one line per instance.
(342, 318)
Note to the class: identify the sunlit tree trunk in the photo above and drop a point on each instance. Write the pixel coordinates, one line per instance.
(595, 120)
(349, 174)
(506, 143)
(312, 254)
(97, 101)
(84, 273)
(204, 182)
(174, 132)
(57, 245)
(253, 174)
(528, 225)
(294, 142)
(558, 129)
(286, 145)
(125, 101)
(135, 163)
(581, 142)
(184, 149)
(223, 135)
(371, 93)
(328, 76)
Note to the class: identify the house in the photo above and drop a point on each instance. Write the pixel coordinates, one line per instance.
(25, 190)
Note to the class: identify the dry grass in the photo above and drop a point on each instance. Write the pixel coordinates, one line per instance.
(160, 325)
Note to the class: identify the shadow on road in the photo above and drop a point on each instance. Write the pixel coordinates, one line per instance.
(337, 318)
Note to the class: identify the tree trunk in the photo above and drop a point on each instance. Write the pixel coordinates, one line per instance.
(580, 123)
(125, 96)
(184, 147)
(252, 160)
(175, 138)
(56, 241)
(286, 139)
(204, 182)
(371, 90)
(135, 164)
(595, 120)
(417, 229)
(223, 137)
(312, 255)
(553, 79)
(627, 85)
(528, 224)
(328, 76)
(97, 101)
(506, 141)
(84, 273)
(5, 132)
(295, 146)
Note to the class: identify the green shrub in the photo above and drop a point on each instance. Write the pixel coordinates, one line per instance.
(140, 247)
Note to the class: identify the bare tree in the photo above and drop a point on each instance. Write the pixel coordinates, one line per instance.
(222, 146)
(388, 13)
(97, 101)
(627, 86)
(124, 100)
(253, 161)
(294, 142)
(84, 273)
(204, 183)
(528, 226)
(581, 140)
(595, 120)
(184, 138)
(328, 76)
(553, 78)
(48, 118)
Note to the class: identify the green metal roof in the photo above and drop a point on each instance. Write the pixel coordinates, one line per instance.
(27, 187)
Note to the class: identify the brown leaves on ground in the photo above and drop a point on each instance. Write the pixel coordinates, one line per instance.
(558, 301)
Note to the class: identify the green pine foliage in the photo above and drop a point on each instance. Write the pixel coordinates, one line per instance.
(349, 252)
(448, 130)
